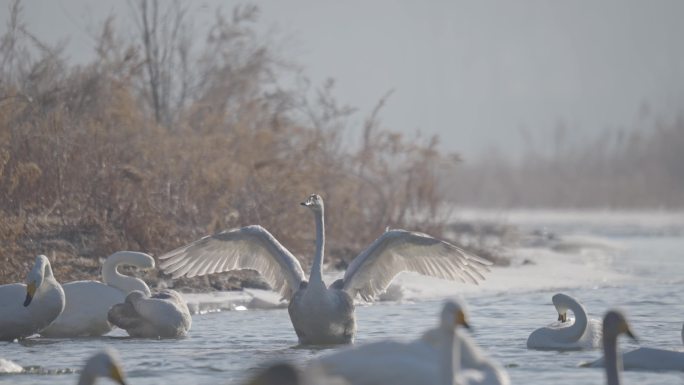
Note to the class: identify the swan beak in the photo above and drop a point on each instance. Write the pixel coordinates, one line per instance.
(30, 291)
(563, 317)
(116, 374)
(303, 204)
(461, 320)
(629, 333)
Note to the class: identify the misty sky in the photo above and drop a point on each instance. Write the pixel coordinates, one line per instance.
(473, 72)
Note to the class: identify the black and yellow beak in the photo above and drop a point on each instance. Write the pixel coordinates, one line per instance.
(116, 374)
(461, 319)
(30, 291)
(629, 333)
(562, 317)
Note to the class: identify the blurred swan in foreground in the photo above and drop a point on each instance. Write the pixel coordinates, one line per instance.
(87, 302)
(105, 365)
(475, 367)
(162, 315)
(567, 334)
(400, 363)
(7, 366)
(648, 359)
(614, 324)
(323, 315)
(44, 301)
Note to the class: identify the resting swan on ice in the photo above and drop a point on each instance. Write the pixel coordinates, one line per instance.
(87, 302)
(162, 315)
(567, 334)
(320, 314)
(44, 301)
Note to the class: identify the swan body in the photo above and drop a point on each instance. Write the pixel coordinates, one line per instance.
(476, 368)
(648, 359)
(322, 314)
(44, 302)
(104, 364)
(567, 333)
(162, 315)
(7, 366)
(399, 363)
(87, 302)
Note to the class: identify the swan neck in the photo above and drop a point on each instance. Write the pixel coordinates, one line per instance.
(317, 266)
(611, 360)
(86, 378)
(451, 358)
(577, 330)
(112, 277)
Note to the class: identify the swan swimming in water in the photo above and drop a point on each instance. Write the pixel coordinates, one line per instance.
(401, 363)
(614, 324)
(104, 364)
(475, 368)
(648, 359)
(43, 304)
(162, 315)
(567, 334)
(87, 302)
(324, 315)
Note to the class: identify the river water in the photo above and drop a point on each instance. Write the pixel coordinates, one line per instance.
(641, 272)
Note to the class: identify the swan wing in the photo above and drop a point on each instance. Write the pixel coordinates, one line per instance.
(251, 247)
(396, 251)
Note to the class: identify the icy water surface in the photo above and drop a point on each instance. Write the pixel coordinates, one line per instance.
(224, 347)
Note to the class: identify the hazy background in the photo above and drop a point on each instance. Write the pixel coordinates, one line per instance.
(480, 74)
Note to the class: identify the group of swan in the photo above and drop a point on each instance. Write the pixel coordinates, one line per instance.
(567, 333)
(87, 302)
(585, 333)
(81, 308)
(324, 315)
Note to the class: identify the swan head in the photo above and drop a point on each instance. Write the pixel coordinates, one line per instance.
(314, 202)
(560, 301)
(103, 364)
(454, 314)
(614, 324)
(280, 374)
(35, 278)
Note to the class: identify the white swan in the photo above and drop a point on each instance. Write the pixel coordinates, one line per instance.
(614, 324)
(567, 334)
(162, 315)
(648, 359)
(104, 364)
(87, 302)
(476, 368)
(400, 363)
(44, 302)
(323, 315)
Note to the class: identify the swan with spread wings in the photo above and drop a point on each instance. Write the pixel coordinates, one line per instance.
(324, 315)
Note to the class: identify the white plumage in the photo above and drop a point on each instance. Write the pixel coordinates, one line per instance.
(320, 314)
(27, 309)
(400, 363)
(162, 315)
(567, 333)
(87, 302)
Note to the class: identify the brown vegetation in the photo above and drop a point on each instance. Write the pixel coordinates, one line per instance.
(152, 145)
